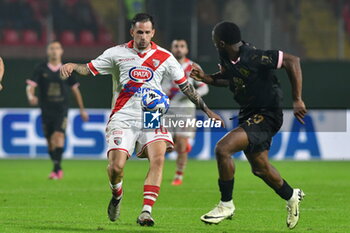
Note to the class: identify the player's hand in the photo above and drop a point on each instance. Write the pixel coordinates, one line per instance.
(66, 70)
(197, 73)
(222, 69)
(215, 117)
(33, 101)
(299, 110)
(84, 115)
(1, 87)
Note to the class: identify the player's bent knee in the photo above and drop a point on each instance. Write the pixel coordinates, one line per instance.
(116, 168)
(221, 151)
(260, 172)
(57, 139)
(158, 160)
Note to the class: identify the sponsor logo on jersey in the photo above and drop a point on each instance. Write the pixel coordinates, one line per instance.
(126, 59)
(141, 74)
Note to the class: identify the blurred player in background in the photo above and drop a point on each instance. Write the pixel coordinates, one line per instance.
(180, 104)
(248, 72)
(53, 101)
(2, 71)
(136, 66)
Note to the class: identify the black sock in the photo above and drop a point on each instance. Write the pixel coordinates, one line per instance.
(51, 154)
(57, 155)
(285, 192)
(226, 189)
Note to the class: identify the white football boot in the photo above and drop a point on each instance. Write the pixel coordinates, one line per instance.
(220, 212)
(293, 208)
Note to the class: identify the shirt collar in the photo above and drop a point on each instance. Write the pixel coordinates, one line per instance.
(131, 44)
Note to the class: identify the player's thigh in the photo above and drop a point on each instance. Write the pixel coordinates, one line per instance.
(47, 126)
(117, 159)
(150, 136)
(59, 125)
(258, 160)
(234, 141)
(155, 152)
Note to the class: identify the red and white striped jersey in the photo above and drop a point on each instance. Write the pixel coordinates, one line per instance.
(134, 73)
(177, 98)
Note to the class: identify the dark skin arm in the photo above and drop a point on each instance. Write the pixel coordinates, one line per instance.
(215, 79)
(292, 65)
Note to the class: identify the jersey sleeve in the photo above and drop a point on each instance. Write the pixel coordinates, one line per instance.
(34, 79)
(72, 81)
(175, 71)
(102, 64)
(267, 59)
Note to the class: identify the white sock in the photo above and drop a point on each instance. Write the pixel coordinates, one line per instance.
(147, 208)
(117, 188)
(227, 203)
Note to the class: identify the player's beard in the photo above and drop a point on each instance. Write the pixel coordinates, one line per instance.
(178, 56)
(223, 53)
(142, 45)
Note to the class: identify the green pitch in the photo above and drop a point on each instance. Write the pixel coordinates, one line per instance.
(31, 203)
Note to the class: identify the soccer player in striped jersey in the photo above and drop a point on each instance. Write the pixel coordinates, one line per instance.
(136, 67)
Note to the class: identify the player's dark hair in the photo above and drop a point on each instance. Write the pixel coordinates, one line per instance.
(179, 39)
(142, 17)
(228, 32)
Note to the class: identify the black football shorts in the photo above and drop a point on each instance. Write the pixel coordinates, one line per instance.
(260, 128)
(54, 123)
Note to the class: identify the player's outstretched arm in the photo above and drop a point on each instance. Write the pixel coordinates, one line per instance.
(214, 79)
(292, 65)
(32, 99)
(2, 71)
(67, 69)
(188, 89)
(77, 94)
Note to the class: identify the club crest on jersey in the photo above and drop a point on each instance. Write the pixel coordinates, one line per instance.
(141, 74)
(117, 140)
(155, 62)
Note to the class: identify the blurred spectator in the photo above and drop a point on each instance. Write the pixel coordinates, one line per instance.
(18, 15)
(27, 22)
(73, 15)
(62, 16)
(84, 16)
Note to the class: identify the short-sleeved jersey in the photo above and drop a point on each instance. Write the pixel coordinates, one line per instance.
(134, 73)
(252, 79)
(177, 98)
(53, 91)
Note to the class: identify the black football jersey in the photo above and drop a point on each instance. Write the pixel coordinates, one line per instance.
(252, 79)
(53, 91)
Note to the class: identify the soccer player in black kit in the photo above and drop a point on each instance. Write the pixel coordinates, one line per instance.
(248, 72)
(53, 101)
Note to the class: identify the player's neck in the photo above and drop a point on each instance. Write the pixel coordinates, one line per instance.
(143, 50)
(55, 62)
(233, 52)
(182, 60)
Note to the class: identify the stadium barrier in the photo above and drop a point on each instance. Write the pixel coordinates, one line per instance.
(326, 135)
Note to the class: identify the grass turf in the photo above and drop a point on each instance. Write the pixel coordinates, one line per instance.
(31, 203)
